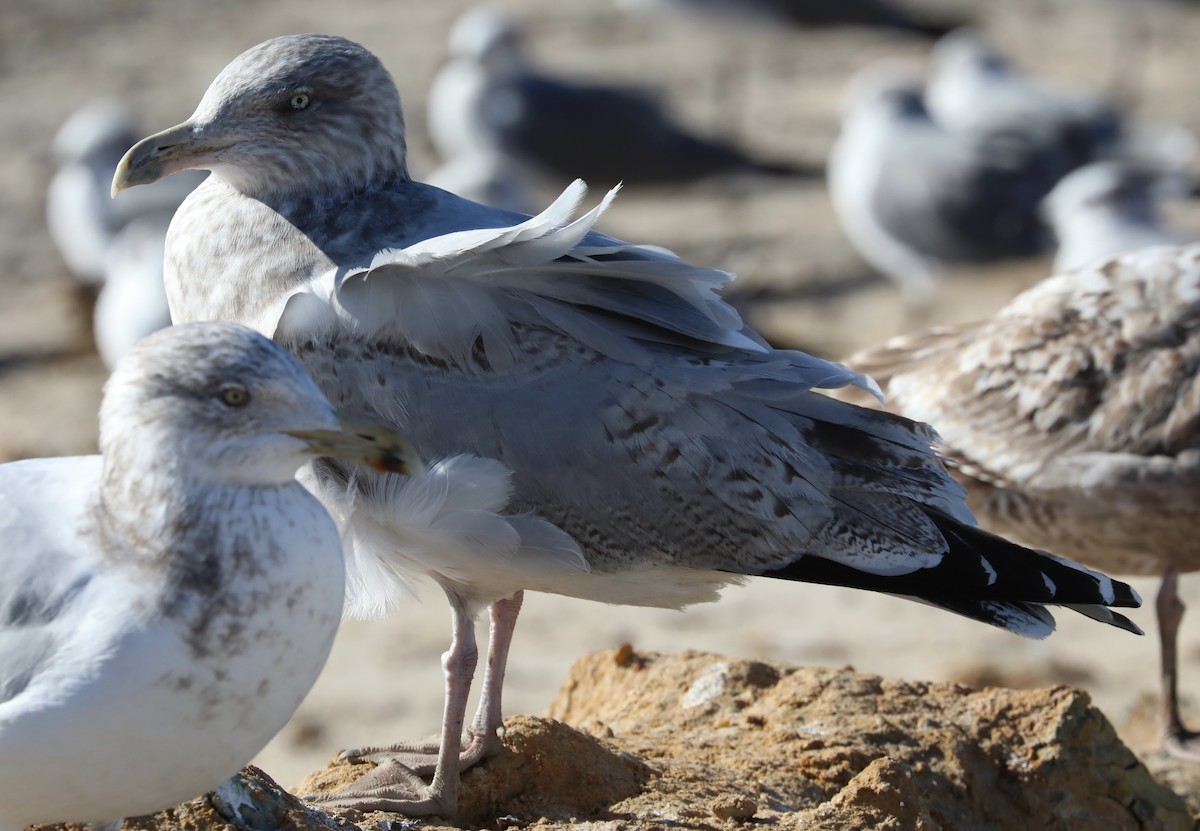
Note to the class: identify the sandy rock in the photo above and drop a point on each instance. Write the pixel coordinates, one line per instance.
(698, 741)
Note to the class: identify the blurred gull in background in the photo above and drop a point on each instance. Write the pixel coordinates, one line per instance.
(912, 196)
(488, 96)
(973, 89)
(876, 14)
(489, 177)
(1108, 208)
(107, 241)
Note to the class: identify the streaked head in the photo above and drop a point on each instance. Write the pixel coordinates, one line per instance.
(220, 404)
(282, 117)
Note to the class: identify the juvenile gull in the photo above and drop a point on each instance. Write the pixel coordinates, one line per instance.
(913, 197)
(487, 96)
(167, 604)
(1107, 208)
(1072, 418)
(635, 410)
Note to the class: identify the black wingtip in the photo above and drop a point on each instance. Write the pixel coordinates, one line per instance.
(987, 578)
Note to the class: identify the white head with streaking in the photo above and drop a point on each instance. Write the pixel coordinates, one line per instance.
(168, 604)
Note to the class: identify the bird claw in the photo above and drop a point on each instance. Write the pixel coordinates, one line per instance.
(391, 787)
(421, 757)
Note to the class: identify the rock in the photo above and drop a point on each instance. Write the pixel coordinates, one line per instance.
(696, 741)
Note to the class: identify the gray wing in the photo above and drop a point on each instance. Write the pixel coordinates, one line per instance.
(544, 342)
(43, 503)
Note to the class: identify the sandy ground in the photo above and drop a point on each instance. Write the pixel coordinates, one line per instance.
(383, 681)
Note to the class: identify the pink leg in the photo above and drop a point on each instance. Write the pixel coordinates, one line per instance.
(484, 738)
(392, 786)
(1177, 739)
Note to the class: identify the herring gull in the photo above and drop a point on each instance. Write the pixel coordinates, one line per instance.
(488, 96)
(167, 604)
(1072, 419)
(913, 197)
(1107, 208)
(636, 412)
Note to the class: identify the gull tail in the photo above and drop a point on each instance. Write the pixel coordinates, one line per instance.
(989, 579)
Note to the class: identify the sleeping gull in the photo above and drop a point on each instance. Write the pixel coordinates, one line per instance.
(1072, 419)
(635, 410)
(167, 604)
(1107, 208)
(488, 96)
(913, 197)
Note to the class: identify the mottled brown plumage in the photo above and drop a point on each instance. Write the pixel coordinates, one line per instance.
(1073, 417)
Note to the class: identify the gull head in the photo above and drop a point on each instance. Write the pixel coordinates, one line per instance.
(888, 90)
(218, 404)
(98, 132)
(965, 50)
(490, 38)
(1111, 187)
(294, 114)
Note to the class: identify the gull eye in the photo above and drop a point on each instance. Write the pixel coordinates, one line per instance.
(234, 395)
(300, 100)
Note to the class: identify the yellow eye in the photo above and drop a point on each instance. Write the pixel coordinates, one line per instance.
(300, 100)
(234, 396)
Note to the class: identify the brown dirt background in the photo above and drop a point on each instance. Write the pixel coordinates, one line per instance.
(802, 283)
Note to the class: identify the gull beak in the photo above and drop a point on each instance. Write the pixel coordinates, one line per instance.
(364, 442)
(180, 148)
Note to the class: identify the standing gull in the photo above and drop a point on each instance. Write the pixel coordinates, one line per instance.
(167, 604)
(635, 410)
(487, 96)
(1107, 208)
(913, 197)
(1073, 419)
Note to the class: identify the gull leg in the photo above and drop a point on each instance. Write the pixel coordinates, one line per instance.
(482, 738)
(392, 786)
(1177, 739)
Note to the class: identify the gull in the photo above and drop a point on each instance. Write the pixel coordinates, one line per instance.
(913, 197)
(487, 176)
(132, 302)
(488, 97)
(1107, 208)
(1071, 418)
(168, 603)
(637, 414)
(115, 246)
(874, 14)
(974, 90)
